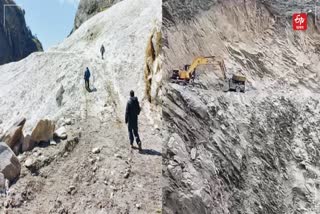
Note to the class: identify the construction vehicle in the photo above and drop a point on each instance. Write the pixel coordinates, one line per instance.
(187, 75)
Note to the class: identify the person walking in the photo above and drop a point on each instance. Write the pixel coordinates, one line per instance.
(132, 111)
(87, 78)
(102, 50)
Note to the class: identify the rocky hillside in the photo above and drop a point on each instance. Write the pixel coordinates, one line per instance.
(16, 39)
(256, 152)
(89, 8)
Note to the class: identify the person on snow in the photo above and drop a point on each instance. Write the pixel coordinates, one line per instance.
(102, 50)
(132, 111)
(87, 78)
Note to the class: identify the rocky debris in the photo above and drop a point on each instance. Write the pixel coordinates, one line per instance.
(92, 160)
(61, 133)
(16, 39)
(127, 173)
(14, 136)
(43, 132)
(9, 164)
(59, 96)
(94, 169)
(69, 145)
(118, 156)
(35, 163)
(138, 206)
(96, 150)
(65, 154)
(67, 122)
(71, 190)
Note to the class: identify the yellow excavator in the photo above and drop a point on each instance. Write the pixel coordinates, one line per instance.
(236, 83)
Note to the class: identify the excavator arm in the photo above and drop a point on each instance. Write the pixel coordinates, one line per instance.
(208, 60)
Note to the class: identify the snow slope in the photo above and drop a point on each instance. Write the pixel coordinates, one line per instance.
(28, 88)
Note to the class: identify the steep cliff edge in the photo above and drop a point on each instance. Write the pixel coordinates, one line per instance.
(256, 152)
(89, 8)
(16, 39)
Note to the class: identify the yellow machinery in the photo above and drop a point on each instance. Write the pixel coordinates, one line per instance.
(236, 83)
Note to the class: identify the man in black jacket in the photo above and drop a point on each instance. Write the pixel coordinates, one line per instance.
(132, 112)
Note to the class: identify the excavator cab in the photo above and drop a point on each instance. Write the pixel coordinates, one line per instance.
(187, 75)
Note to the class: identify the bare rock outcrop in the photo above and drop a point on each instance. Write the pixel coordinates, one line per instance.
(16, 39)
(89, 8)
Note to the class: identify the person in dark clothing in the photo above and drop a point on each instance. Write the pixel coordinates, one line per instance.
(102, 50)
(87, 78)
(132, 111)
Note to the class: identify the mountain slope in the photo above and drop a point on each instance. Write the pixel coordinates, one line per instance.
(16, 39)
(98, 117)
(255, 152)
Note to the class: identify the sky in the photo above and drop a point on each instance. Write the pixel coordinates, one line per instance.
(50, 20)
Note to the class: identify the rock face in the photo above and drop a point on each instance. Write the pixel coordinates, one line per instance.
(256, 152)
(9, 164)
(16, 39)
(14, 136)
(89, 8)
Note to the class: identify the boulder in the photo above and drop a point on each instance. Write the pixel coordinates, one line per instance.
(2, 184)
(28, 144)
(43, 132)
(34, 164)
(96, 150)
(13, 137)
(67, 122)
(9, 164)
(61, 133)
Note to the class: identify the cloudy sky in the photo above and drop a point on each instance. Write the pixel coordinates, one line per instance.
(50, 20)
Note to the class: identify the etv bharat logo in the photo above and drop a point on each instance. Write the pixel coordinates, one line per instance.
(300, 21)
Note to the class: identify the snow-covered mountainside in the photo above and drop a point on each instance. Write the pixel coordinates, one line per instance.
(252, 152)
(93, 170)
(29, 87)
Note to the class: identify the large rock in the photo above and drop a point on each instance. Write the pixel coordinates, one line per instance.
(14, 136)
(34, 164)
(9, 164)
(43, 132)
(28, 143)
(61, 133)
(16, 39)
